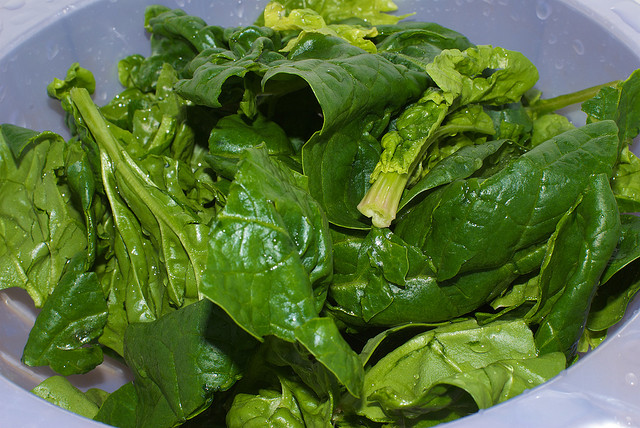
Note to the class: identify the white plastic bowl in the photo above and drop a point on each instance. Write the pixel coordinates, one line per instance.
(574, 43)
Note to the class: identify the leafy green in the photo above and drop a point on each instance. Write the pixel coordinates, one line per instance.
(59, 391)
(374, 12)
(588, 233)
(284, 239)
(42, 229)
(412, 380)
(181, 360)
(415, 142)
(206, 224)
(63, 339)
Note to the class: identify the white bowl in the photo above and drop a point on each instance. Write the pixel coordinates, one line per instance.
(574, 44)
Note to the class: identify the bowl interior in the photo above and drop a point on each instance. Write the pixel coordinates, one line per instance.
(571, 49)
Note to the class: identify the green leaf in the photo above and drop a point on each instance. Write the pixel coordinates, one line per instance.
(486, 386)
(459, 165)
(339, 157)
(514, 208)
(269, 260)
(41, 229)
(619, 103)
(394, 283)
(427, 359)
(178, 231)
(417, 43)
(59, 391)
(269, 246)
(71, 320)
(548, 126)
(181, 360)
(119, 409)
(374, 12)
(269, 408)
(584, 241)
(626, 182)
(77, 77)
(620, 281)
(461, 75)
(322, 338)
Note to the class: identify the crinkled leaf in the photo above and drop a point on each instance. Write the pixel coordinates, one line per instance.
(462, 75)
(394, 283)
(41, 228)
(428, 358)
(372, 11)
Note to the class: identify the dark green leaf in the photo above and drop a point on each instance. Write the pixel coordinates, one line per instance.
(71, 319)
(181, 360)
(119, 409)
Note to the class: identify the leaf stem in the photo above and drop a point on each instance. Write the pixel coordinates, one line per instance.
(382, 199)
(550, 105)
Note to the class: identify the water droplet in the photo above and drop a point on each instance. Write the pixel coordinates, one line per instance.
(52, 50)
(578, 46)
(240, 10)
(13, 4)
(543, 9)
(180, 3)
(631, 379)
(552, 39)
(479, 348)
(486, 11)
(559, 64)
(515, 16)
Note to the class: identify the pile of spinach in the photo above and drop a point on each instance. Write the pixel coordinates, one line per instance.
(209, 225)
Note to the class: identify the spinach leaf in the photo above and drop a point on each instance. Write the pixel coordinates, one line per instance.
(416, 140)
(41, 227)
(177, 230)
(59, 391)
(620, 280)
(270, 246)
(295, 405)
(462, 75)
(620, 104)
(486, 386)
(372, 12)
(119, 408)
(181, 360)
(73, 316)
(338, 157)
(531, 194)
(399, 384)
(459, 165)
(583, 243)
(394, 283)
(417, 43)
(626, 182)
